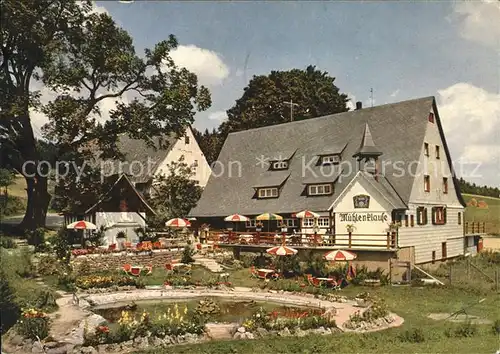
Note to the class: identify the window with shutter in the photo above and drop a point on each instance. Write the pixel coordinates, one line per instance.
(406, 220)
(459, 218)
(439, 215)
(412, 220)
(421, 216)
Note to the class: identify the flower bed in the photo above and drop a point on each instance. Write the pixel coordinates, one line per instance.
(105, 281)
(293, 319)
(34, 324)
(375, 316)
(132, 327)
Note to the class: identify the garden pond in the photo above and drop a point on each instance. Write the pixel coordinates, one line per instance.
(216, 309)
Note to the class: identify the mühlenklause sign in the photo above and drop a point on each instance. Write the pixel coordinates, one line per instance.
(362, 217)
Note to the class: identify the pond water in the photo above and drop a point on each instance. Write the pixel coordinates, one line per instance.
(230, 310)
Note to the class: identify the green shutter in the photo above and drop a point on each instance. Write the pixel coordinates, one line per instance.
(426, 219)
(444, 215)
(433, 210)
(419, 221)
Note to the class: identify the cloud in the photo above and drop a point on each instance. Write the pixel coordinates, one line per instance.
(471, 120)
(219, 116)
(352, 101)
(479, 21)
(206, 64)
(395, 93)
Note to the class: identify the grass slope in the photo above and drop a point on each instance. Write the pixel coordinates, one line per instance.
(491, 215)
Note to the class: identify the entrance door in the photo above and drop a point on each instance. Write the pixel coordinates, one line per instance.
(443, 250)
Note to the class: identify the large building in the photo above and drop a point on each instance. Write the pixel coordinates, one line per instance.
(361, 171)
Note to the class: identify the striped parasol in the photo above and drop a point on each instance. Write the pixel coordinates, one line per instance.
(178, 222)
(81, 225)
(339, 255)
(236, 218)
(307, 214)
(269, 216)
(281, 251)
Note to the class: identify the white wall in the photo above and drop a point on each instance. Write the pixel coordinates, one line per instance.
(428, 238)
(372, 232)
(191, 153)
(120, 221)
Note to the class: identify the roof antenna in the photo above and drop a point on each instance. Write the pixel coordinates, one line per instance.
(291, 104)
(371, 96)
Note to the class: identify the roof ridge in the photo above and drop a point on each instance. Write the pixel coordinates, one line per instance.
(330, 115)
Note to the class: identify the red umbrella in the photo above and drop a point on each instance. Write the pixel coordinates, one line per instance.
(307, 214)
(339, 255)
(281, 251)
(178, 222)
(236, 218)
(81, 225)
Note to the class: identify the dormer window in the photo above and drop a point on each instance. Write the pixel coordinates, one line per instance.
(279, 165)
(319, 189)
(186, 140)
(271, 192)
(330, 159)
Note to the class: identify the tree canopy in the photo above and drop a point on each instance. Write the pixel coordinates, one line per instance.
(83, 58)
(263, 104)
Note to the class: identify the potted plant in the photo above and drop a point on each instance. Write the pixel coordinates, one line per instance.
(120, 239)
(259, 226)
(363, 299)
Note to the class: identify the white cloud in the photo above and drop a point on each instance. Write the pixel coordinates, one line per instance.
(479, 21)
(206, 64)
(395, 93)
(219, 116)
(352, 101)
(471, 120)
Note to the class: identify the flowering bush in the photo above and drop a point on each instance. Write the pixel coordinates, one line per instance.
(291, 318)
(374, 312)
(104, 281)
(33, 324)
(80, 252)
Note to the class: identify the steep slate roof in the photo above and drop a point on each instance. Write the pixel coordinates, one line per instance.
(138, 150)
(397, 129)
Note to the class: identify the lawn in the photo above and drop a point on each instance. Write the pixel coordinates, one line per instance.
(413, 304)
(489, 215)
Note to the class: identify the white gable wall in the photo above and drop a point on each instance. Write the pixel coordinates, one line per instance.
(366, 231)
(429, 238)
(192, 153)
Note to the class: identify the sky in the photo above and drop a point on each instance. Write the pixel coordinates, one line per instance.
(401, 50)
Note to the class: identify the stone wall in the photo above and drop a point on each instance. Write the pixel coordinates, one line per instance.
(112, 261)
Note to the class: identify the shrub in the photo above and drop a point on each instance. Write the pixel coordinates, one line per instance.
(62, 246)
(187, 255)
(7, 242)
(463, 330)
(48, 265)
(8, 308)
(24, 265)
(34, 324)
(415, 335)
(46, 299)
(14, 206)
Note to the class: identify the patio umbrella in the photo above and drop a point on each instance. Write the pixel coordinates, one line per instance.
(268, 217)
(281, 251)
(306, 214)
(81, 225)
(339, 255)
(178, 223)
(236, 218)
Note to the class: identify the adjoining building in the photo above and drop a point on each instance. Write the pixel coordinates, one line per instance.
(362, 171)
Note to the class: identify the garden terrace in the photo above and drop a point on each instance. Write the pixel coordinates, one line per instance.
(302, 240)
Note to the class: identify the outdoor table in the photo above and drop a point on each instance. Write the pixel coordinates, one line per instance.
(326, 280)
(263, 273)
(246, 238)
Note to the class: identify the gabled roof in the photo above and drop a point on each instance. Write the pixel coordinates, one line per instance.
(397, 129)
(148, 157)
(131, 186)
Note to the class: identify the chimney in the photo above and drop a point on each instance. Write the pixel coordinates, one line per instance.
(359, 105)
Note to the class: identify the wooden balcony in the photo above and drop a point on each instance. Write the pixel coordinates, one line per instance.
(298, 240)
(476, 228)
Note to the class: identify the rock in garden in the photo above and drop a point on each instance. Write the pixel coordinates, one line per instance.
(262, 332)
(37, 348)
(238, 335)
(17, 340)
(300, 333)
(156, 342)
(88, 350)
(57, 350)
(241, 329)
(284, 332)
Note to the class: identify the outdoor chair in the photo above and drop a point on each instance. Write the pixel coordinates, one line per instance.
(253, 272)
(135, 271)
(127, 268)
(148, 270)
(169, 267)
(157, 245)
(313, 281)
